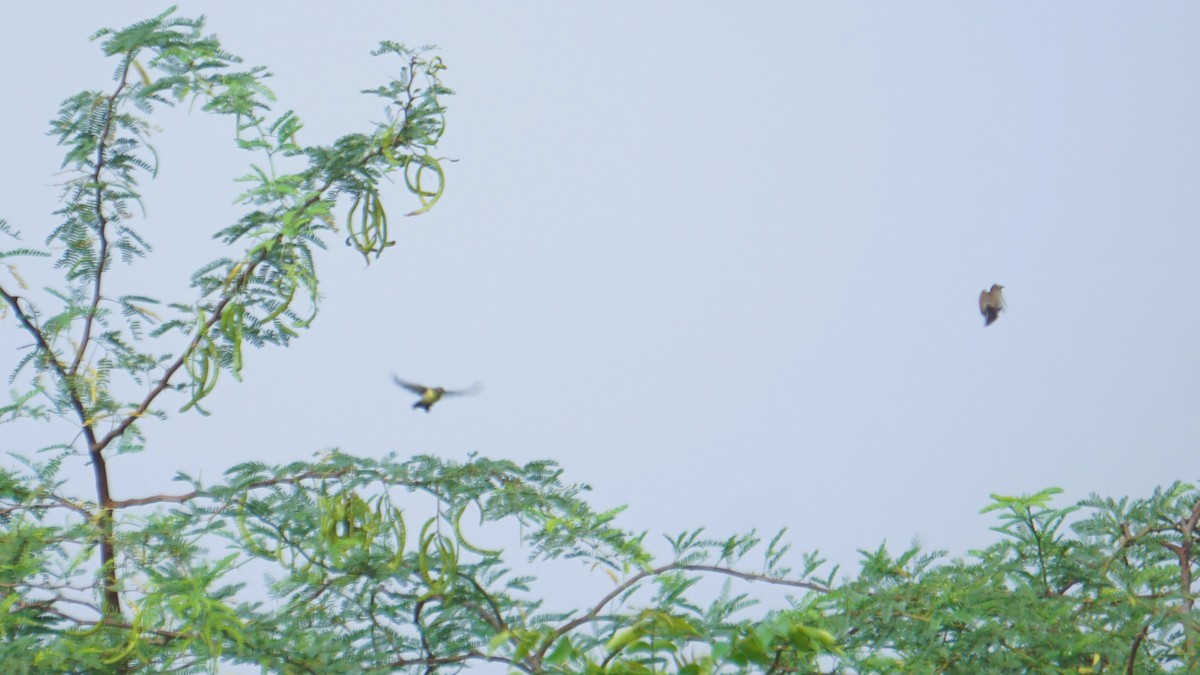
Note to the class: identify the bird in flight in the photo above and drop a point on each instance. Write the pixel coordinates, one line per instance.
(431, 395)
(990, 304)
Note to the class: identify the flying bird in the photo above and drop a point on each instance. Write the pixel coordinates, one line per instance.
(431, 395)
(990, 304)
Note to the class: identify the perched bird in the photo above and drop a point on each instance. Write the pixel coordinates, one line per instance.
(431, 395)
(990, 304)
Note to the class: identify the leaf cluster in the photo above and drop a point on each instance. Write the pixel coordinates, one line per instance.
(359, 583)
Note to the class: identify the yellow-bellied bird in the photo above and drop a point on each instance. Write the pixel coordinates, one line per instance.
(431, 395)
(990, 304)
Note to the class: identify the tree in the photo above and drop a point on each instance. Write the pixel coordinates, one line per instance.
(1113, 592)
(360, 584)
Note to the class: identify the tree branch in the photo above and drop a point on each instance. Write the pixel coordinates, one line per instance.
(1137, 643)
(594, 613)
(460, 658)
(235, 288)
(1188, 530)
(101, 222)
(156, 499)
(1037, 537)
(165, 381)
(112, 600)
(55, 502)
(55, 364)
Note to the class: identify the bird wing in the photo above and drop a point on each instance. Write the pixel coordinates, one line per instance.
(473, 389)
(413, 387)
(993, 299)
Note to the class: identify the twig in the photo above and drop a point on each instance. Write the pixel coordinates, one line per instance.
(594, 613)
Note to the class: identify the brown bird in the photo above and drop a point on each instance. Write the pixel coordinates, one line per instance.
(431, 395)
(990, 304)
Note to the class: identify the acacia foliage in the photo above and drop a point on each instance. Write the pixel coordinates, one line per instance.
(1104, 585)
(357, 583)
(89, 345)
(356, 580)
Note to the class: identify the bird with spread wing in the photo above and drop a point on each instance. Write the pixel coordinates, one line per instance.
(990, 304)
(431, 395)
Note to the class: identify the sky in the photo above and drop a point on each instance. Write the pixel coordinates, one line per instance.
(720, 261)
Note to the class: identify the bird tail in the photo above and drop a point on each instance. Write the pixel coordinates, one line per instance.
(421, 404)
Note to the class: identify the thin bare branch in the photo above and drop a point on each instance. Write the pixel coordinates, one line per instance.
(156, 499)
(594, 613)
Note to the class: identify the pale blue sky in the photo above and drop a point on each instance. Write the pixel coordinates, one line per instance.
(721, 262)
